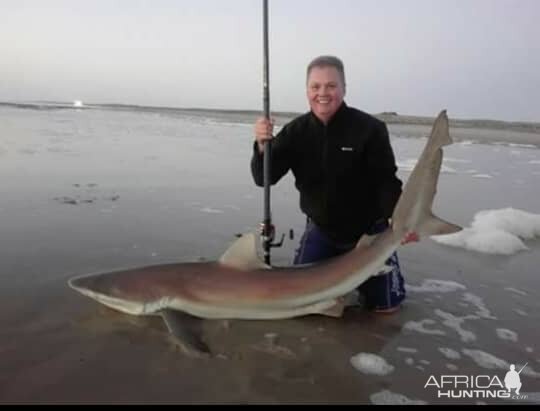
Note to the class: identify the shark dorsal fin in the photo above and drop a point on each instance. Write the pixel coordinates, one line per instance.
(242, 254)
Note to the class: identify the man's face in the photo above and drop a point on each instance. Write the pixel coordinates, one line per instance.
(325, 92)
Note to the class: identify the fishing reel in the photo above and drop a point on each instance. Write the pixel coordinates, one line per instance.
(268, 232)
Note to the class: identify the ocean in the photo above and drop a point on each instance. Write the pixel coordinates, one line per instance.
(99, 187)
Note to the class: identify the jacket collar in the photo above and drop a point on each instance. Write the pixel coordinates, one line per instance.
(335, 118)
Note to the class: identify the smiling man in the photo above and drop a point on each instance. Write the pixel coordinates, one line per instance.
(345, 172)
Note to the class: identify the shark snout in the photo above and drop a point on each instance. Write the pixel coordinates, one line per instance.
(97, 289)
(85, 285)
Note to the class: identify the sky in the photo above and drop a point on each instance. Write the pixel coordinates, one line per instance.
(475, 58)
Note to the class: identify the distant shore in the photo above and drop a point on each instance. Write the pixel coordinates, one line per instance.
(281, 117)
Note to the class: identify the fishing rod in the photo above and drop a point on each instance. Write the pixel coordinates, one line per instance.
(268, 230)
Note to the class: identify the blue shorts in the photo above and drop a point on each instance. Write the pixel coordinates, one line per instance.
(380, 292)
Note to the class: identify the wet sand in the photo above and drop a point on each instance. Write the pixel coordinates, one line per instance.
(131, 208)
(59, 347)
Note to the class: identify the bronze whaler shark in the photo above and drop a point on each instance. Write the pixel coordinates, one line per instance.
(239, 285)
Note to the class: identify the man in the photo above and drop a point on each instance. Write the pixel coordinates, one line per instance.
(345, 172)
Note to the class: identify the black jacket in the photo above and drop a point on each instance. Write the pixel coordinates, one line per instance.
(345, 171)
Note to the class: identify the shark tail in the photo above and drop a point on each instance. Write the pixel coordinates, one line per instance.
(413, 210)
(433, 225)
(440, 131)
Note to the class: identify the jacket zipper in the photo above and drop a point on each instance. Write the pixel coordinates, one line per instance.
(326, 171)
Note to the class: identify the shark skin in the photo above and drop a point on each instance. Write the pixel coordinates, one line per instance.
(239, 285)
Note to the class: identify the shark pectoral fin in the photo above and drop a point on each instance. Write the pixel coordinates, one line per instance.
(435, 226)
(242, 254)
(336, 310)
(187, 331)
(365, 241)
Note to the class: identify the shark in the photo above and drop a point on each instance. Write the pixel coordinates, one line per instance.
(239, 285)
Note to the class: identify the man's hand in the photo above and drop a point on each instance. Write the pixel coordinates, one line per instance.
(410, 237)
(263, 131)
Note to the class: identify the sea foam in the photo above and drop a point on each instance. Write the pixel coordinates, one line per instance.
(496, 232)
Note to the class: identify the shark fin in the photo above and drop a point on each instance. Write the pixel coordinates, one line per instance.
(441, 130)
(435, 226)
(242, 254)
(187, 332)
(335, 310)
(365, 241)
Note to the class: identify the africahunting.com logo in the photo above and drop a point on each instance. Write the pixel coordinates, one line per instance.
(479, 386)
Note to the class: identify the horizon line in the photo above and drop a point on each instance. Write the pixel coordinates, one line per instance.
(387, 114)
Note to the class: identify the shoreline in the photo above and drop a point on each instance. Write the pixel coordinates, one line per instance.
(98, 190)
(247, 116)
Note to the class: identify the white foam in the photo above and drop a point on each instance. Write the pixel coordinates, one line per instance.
(410, 163)
(482, 176)
(489, 242)
(521, 145)
(210, 210)
(232, 207)
(496, 232)
(516, 291)
(534, 162)
(425, 362)
(507, 335)
(437, 286)
(407, 350)
(514, 221)
(453, 322)
(455, 160)
(420, 326)
(371, 364)
(450, 353)
(482, 312)
(409, 361)
(407, 165)
(521, 312)
(387, 397)
(529, 349)
(486, 360)
(490, 362)
(452, 367)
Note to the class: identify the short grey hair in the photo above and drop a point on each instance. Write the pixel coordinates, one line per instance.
(327, 61)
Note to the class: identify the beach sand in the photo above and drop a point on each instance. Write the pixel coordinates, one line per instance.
(104, 202)
(58, 347)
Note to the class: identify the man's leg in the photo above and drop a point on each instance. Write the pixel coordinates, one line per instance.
(314, 246)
